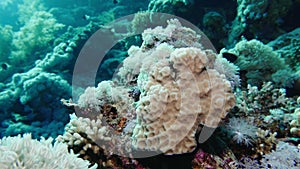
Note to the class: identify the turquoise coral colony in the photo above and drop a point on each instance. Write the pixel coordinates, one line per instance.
(165, 96)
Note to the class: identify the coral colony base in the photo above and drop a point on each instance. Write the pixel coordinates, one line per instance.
(161, 98)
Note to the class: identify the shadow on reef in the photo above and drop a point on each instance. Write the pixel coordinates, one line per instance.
(168, 162)
(205, 153)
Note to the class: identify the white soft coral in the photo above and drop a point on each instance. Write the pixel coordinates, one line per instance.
(243, 132)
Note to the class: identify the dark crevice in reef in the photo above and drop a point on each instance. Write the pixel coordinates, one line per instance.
(182, 161)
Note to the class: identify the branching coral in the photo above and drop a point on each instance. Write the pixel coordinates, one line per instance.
(28, 8)
(268, 107)
(203, 159)
(266, 142)
(35, 35)
(295, 123)
(254, 100)
(94, 99)
(25, 152)
(93, 140)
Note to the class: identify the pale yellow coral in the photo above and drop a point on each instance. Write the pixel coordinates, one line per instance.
(181, 93)
(295, 124)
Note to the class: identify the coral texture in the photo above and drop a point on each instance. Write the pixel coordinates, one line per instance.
(169, 6)
(250, 15)
(30, 101)
(6, 35)
(288, 46)
(179, 95)
(35, 35)
(179, 92)
(285, 156)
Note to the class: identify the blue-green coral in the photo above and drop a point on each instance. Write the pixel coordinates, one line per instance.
(261, 63)
(252, 13)
(35, 35)
(6, 35)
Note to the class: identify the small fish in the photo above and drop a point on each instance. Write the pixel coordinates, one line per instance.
(115, 1)
(4, 66)
(86, 17)
(229, 56)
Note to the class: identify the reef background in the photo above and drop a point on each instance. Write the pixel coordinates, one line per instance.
(40, 41)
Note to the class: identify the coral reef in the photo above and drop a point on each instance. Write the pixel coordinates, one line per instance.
(263, 99)
(92, 139)
(25, 91)
(271, 111)
(268, 107)
(27, 8)
(6, 35)
(184, 74)
(288, 46)
(169, 6)
(250, 15)
(162, 82)
(6, 42)
(206, 160)
(34, 95)
(5, 3)
(214, 26)
(163, 98)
